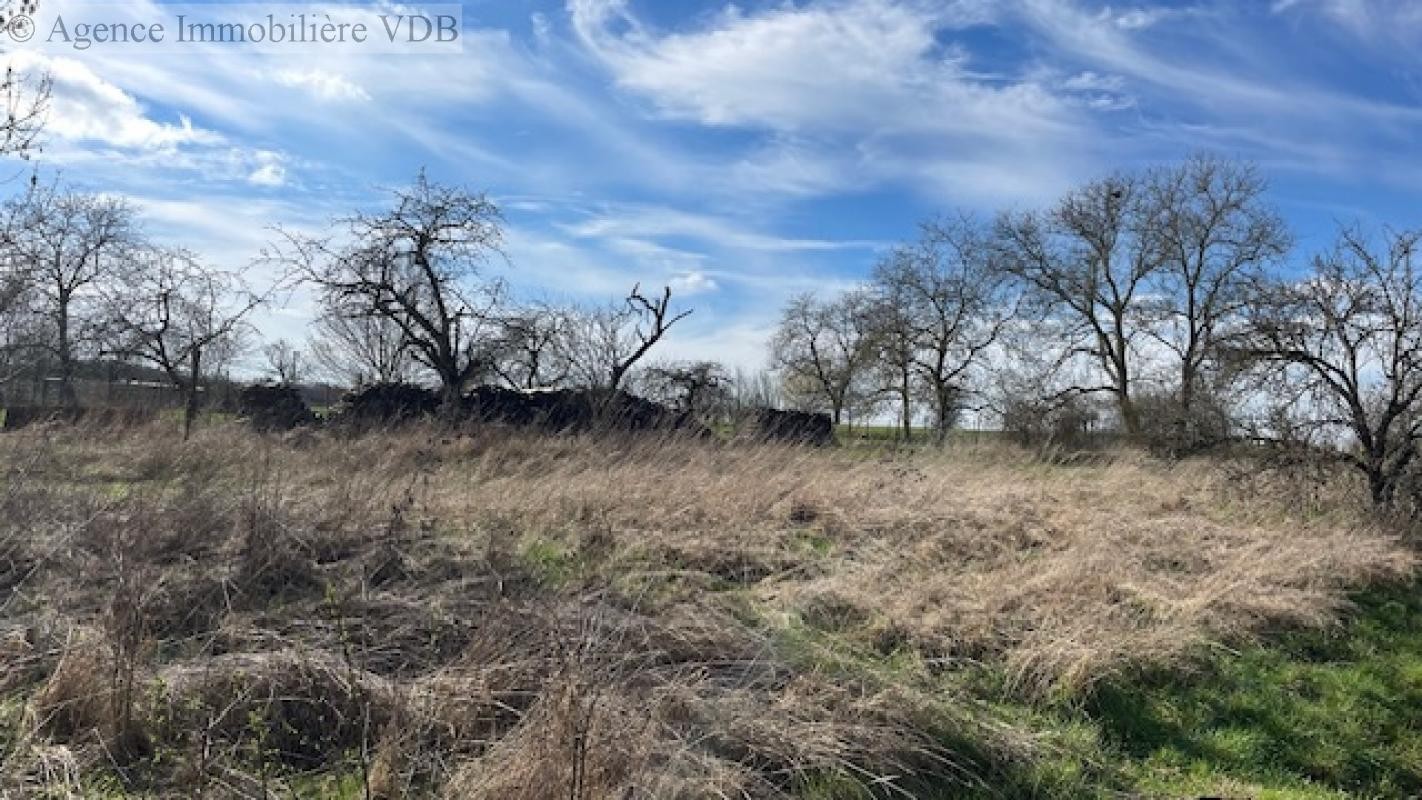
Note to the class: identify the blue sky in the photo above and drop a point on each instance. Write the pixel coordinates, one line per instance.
(747, 152)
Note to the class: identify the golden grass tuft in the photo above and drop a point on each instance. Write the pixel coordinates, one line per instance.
(76, 700)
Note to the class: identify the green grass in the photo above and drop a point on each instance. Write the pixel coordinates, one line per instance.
(893, 434)
(878, 432)
(551, 563)
(340, 786)
(1319, 714)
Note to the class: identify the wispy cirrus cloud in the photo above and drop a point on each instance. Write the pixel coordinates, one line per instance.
(1364, 17)
(827, 84)
(661, 221)
(796, 68)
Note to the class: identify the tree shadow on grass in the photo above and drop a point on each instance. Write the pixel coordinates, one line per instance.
(1340, 708)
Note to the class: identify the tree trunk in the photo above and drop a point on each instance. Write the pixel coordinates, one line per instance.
(190, 407)
(1382, 486)
(1130, 415)
(907, 415)
(944, 411)
(67, 396)
(449, 401)
(1187, 389)
(1379, 487)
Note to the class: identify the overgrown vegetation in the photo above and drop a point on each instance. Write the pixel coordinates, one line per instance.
(508, 615)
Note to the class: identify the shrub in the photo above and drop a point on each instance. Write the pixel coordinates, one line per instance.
(1069, 421)
(385, 404)
(1168, 429)
(273, 408)
(574, 411)
(797, 427)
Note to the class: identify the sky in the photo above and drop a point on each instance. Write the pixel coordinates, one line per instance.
(741, 153)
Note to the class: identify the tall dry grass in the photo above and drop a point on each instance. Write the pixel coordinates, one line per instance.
(513, 616)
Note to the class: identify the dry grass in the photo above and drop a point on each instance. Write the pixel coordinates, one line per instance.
(510, 616)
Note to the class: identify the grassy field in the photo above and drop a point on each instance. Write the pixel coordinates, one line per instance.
(508, 616)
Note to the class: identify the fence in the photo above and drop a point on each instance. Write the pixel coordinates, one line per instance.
(119, 394)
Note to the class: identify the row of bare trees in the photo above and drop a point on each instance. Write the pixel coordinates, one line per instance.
(406, 294)
(79, 281)
(1168, 293)
(409, 293)
(83, 284)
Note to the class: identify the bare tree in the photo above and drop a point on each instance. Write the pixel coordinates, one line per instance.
(692, 387)
(749, 390)
(1217, 236)
(285, 362)
(605, 344)
(955, 303)
(26, 99)
(895, 335)
(358, 350)
(26, 96)
(182, 317)
(825, 349)
(418, 266)
(1087, 264)
(15, 295)
(69, 243)
(531, 350)
(15, 334)
(1350, 337)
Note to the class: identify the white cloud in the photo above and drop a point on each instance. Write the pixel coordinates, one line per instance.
(270, 170)
(246, 92)
(1094, 82)
(1097, 91)
(95, 123)
(1355, 14)
(85, 107)
(787, 69)
(827, 85)
(326, 86)
(688, 284)
(1372, 20)
(648, 252)
(1139, 18)
(834, 66)
(1209, 86)
(654, 222)
(787, 166)
(230, 229)
(740, 341)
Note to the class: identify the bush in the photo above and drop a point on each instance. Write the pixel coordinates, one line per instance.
(574, 411)
(797, 427)
(385, 404)
(273, 408)
(1069, 422)
(1169, 430)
